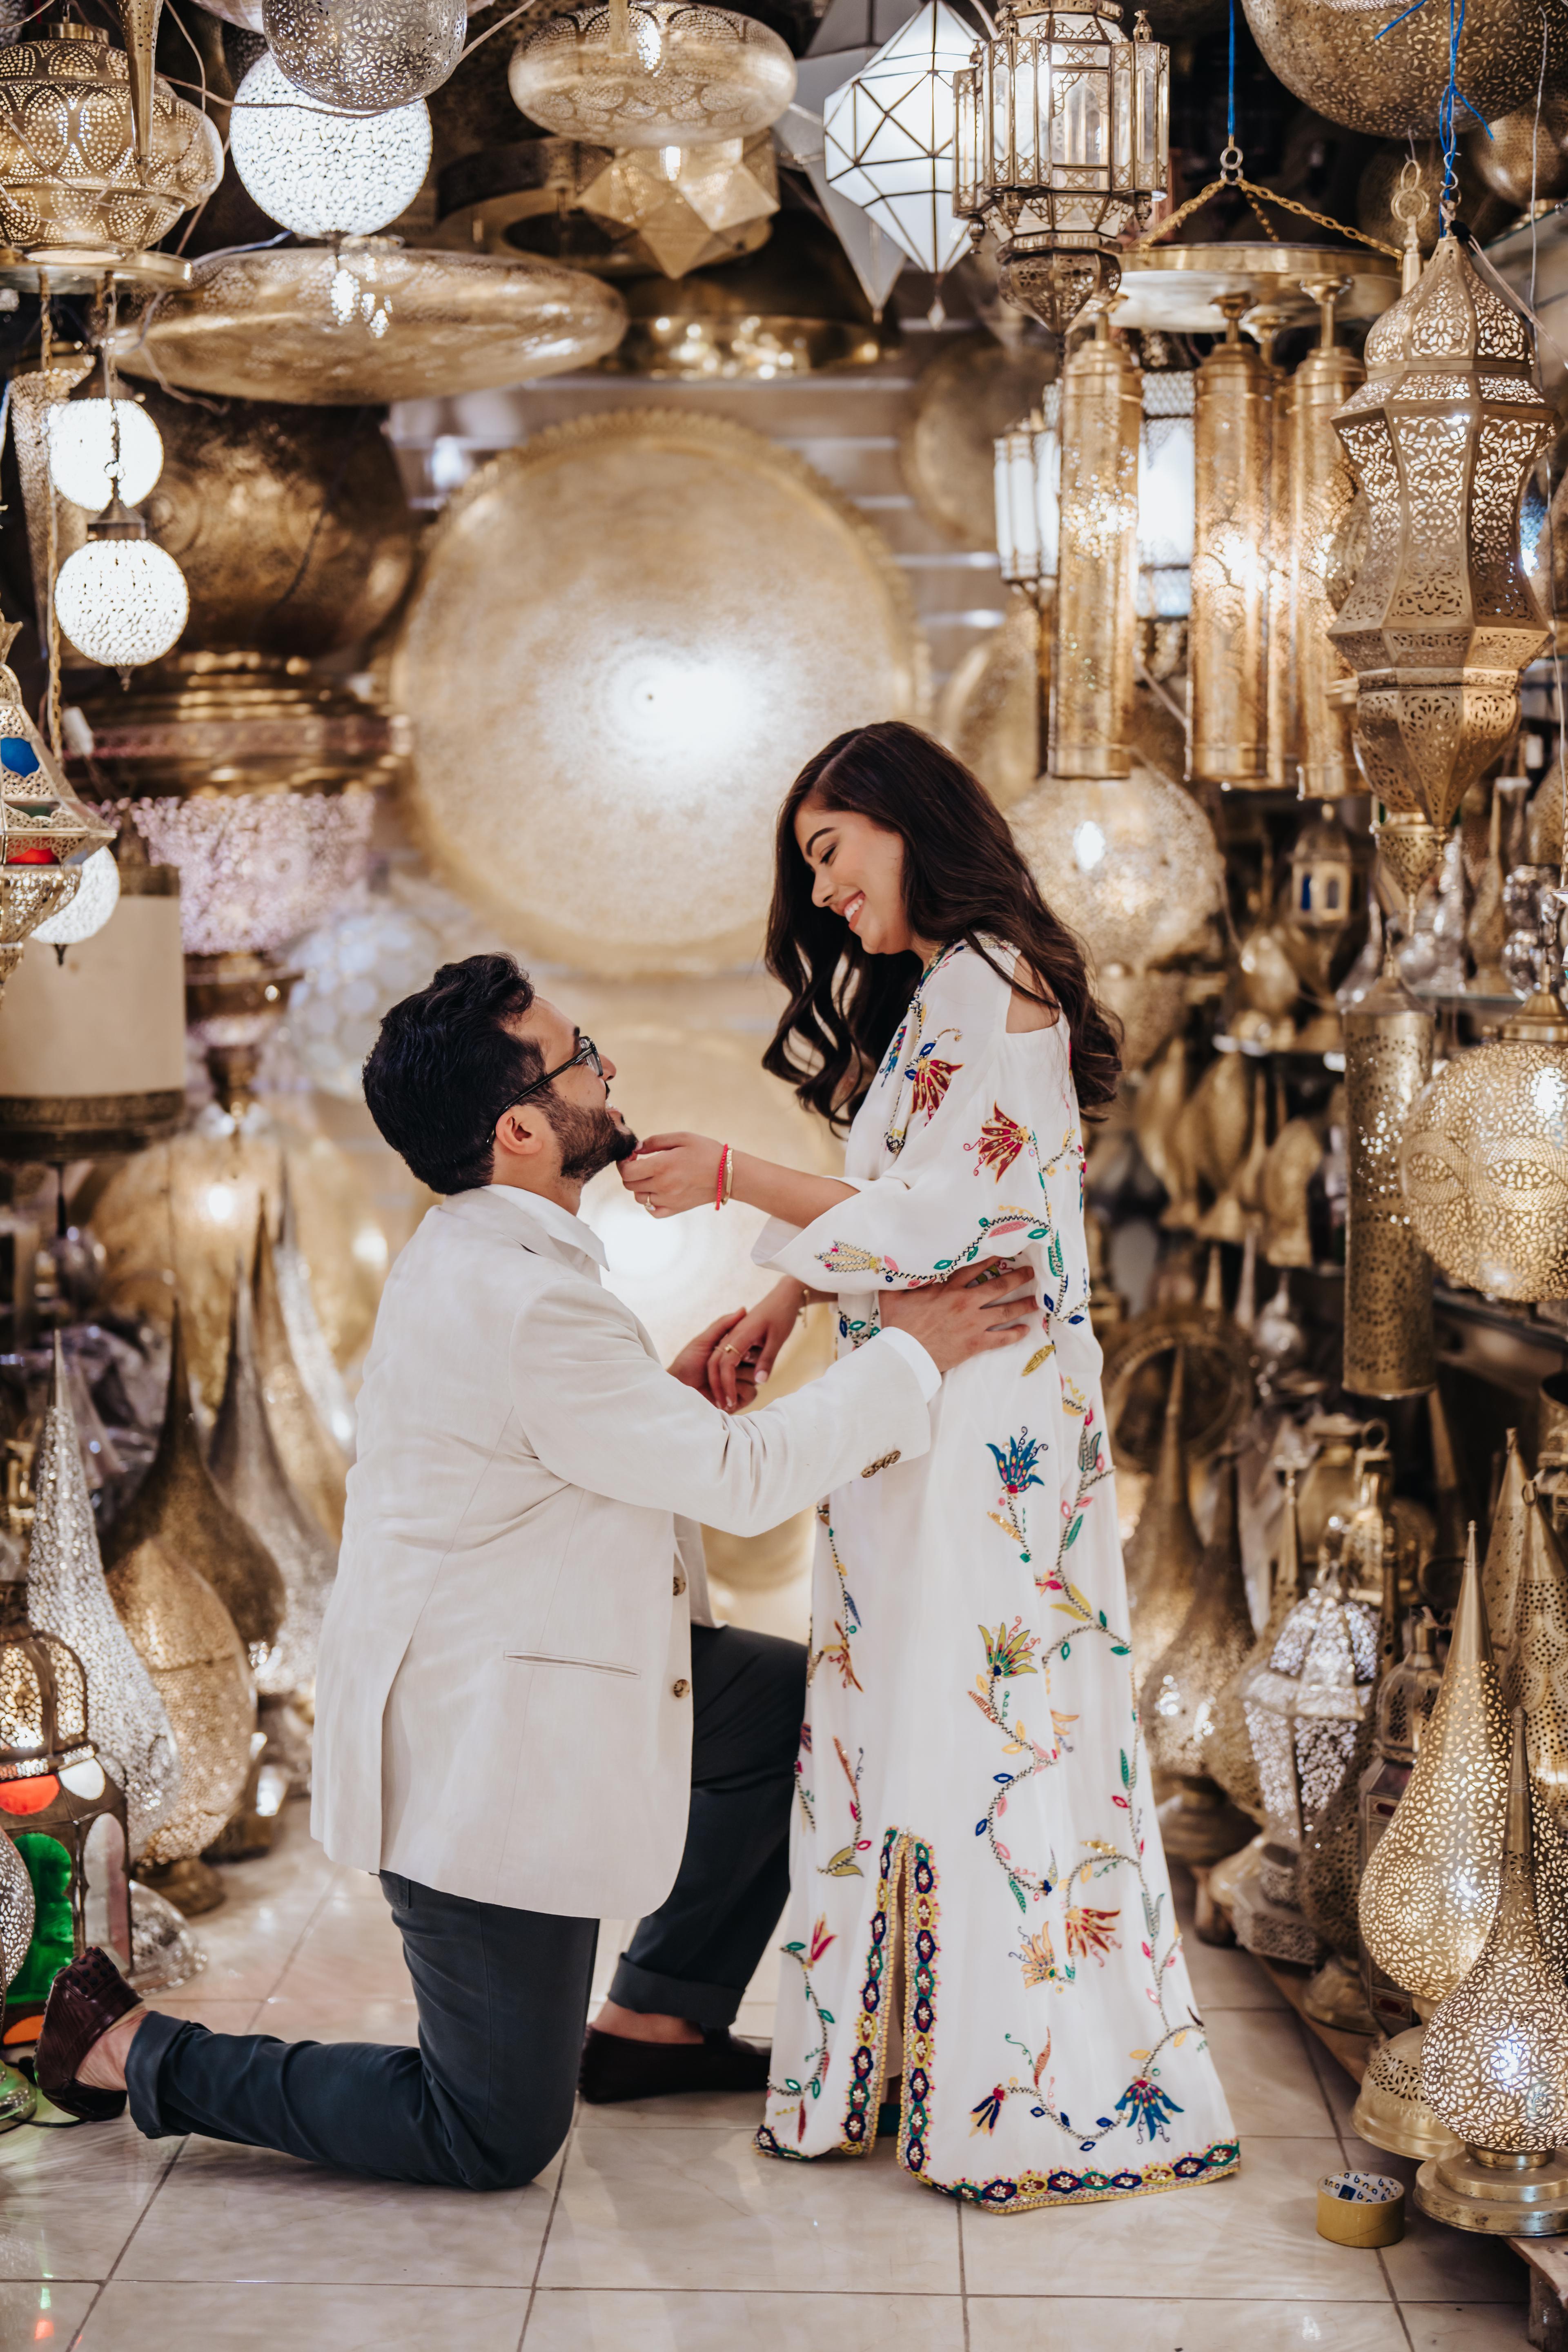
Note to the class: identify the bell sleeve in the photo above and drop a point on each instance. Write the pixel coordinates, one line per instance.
(970, 1182)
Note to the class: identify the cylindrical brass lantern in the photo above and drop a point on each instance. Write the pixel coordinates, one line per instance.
(1494, 2060)
(1091, 679)
(1228, 651)
(1441, 617)
(1389, 1344)
(1431, 1884)
(1321, 489)
(1283, 700)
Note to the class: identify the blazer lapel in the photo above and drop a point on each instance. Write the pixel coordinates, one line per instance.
(514, 1223)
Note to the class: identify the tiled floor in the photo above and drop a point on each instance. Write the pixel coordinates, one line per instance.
(661, 2230)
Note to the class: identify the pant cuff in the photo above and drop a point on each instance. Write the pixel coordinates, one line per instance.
(150, 2045)
(710, 2006)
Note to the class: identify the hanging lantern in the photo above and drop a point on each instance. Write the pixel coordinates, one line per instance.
(1405, 1697)
(1178, 1705)
(93, 208)
(688, 206)
(364, 59)
(1484, 1159)
(1282, 697)
(1029, 500)
(62, 1811)
(1228, 634)
(1430, 1886)
(67, 1597)
(1389, 1348)
(1494, 2060)
(101, 446)
(1321, 488)
(96, 897)
(1063, 141)
(888, 137)
(1092, 669)
(1441, 617)
(121, 599)
(317, 171)
(658, 73)
(46, 834)
(1334, 55)
(1167, 498)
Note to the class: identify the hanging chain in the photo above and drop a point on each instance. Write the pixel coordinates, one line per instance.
(1255, 197)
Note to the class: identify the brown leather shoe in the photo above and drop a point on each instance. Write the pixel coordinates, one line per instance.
(614, 2067)
(85, 2000)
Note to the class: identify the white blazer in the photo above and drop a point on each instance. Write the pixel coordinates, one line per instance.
(504, 1705)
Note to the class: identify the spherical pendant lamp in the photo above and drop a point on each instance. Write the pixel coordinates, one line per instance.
(319, 172)
(121, 599)
(365, 56)
(658, 73)
(101, 446)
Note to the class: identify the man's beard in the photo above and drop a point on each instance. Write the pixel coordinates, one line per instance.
(589, 1139)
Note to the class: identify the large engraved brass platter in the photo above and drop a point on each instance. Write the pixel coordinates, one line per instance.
(367, 320)
(628, 637)
(976, 390)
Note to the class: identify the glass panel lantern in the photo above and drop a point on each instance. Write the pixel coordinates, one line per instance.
(1062, 142)
(1167, 496)
(1303, 1711)
(63, 1813)
(1028, 498)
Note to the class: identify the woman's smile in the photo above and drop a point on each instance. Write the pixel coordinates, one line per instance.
(851, 909)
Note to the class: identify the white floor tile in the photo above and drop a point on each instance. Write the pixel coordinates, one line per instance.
(1466, 2326)
(664, 2208)
(1025, 2324)
(595, 2320)
(46, 2315)
(136, 2318)
(1268, 2076)
(69, 2198)
(1433, 2264)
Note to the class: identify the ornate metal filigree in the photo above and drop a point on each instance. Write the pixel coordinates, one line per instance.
(1389, 1349)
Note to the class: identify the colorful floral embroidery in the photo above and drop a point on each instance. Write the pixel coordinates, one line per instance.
(1031, 2189)
(1017, 1473)
(837, 1653)
(843, 1864)
(806, 1800)
(930, 1077)
(810, 2086)
(1000, 1141)
(1007, 1651)
(1090, 1931)
(919, 2006)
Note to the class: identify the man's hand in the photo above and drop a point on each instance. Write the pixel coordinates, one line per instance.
(691, 1367)
(980, 1307)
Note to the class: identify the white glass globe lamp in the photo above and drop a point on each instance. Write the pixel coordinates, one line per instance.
(88, 465)
(322, 174)
(121, 599)
(96, 897)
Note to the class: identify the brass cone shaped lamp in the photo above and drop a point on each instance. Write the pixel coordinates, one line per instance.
(1328, 1876)
(1431, 1884)
(1494, 2063)
(1534, 1678)
(1163, 1557)
(251, 1479)
(1181, 1690)
(66, 1596)
(1233, 1764)
(178, 1508)
(312, 1459)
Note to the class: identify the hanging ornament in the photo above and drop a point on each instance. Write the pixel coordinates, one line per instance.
(121, 599)
(96, 897)
(686, 204)
(46, 834)
(1321, 488)
(1494, 2060)
(1227, 634)
(1431, 1883)
(178, 1512)
(364, 57)
(888, 137)
(1484, 1159)
(101, 446)
(875, 254)
(1388, 74)
(1167, 500)
(66, 1596)
(1092, 661)
(1177, 1706)
(1441, 619)
(656, 73)
(317, 171)
(81, 197)
(1063, 141)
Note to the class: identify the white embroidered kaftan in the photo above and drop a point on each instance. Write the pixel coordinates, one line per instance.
(972, 1741)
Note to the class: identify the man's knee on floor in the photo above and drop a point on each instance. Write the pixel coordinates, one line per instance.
(510, 2160)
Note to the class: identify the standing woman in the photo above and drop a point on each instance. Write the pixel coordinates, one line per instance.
(976, 1868)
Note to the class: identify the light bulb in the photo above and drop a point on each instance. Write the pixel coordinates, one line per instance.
(96, 897)
(322, 174)
(122, 602)
(81, 452)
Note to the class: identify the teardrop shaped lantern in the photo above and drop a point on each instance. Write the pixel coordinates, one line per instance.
(1534, 1679)
(1504, 1563)
(1494, 2060)
(1405, 1699)
(1181, 1688)
(1431, 1884)
(1441, 617)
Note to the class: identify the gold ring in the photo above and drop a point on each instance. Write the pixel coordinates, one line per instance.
(726, 1350)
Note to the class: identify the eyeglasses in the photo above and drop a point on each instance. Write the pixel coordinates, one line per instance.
(586, 1052)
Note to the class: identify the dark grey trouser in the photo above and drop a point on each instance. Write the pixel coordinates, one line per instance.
(486, 2099)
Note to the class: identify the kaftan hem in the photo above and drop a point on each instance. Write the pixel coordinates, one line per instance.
(907, 1869)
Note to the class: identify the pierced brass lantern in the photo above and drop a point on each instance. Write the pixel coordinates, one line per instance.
(1441, 617)
(1321, 488)
(1091, 668)
(1227, 653)
(1062, 142)
(1389, 1348)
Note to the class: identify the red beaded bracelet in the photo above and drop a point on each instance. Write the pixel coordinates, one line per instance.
(721, 1188)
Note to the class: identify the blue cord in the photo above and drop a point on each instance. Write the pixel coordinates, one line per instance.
(1230, 102)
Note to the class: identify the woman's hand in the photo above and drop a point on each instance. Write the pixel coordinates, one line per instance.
(748, 1349)
(667, 1173)
(691, 1367)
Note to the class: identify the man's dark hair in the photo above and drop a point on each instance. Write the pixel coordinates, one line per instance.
(445, 1067)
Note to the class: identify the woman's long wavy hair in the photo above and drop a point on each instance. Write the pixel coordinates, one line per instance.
(963, 879)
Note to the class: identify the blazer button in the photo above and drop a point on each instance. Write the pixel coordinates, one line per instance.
(679, 1583)
(883, 1462)
(679, 1689)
